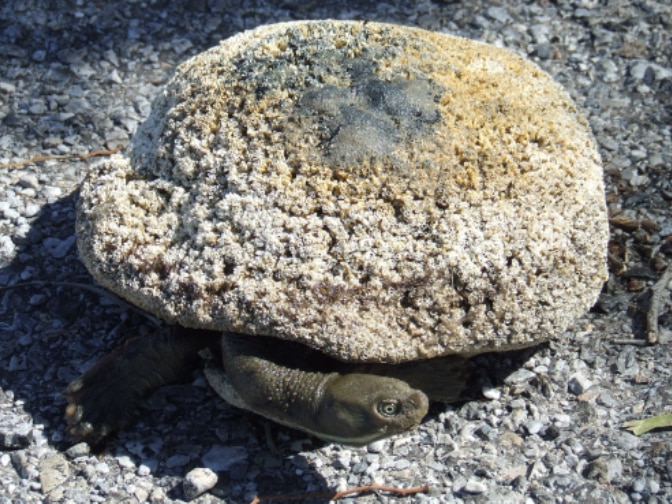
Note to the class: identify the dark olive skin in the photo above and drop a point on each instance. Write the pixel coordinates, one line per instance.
(321, 396)
(289, 383)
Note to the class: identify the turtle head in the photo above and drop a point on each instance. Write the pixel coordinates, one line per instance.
(357, 409)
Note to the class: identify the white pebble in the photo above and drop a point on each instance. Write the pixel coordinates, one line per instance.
(491, 393)
(474, 487)
(198, 481)
(578, 383)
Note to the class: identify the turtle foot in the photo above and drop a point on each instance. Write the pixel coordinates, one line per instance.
(110, 395)
(102, 400)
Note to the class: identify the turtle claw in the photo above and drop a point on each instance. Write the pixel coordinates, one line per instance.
(94, 411)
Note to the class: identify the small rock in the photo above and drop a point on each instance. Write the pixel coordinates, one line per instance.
(498, 14)
(111, 56)
(126, 462)
(626, 363)
(578, 383)
(180, 46)
(473, 486)
(7, 211)
(39, 55)
(342, 462)
(519, 376)
(222, 458)
(31, 210)
(8, 88)
(402, 464)
(143, 470)
(158, 495)
(538, 470)
(54, 471)
(52, 193)
(113, 76)
(376, 446)
(607, 399)
(78, 450)
(37, 108)
(626, 441)
(22, 465)
(51, 141)
(639, 485)
(141, 494)
(360, 467)
(7, 247)
(533, 427)
(37, 299)
(58, 248)
(486, 433)
(491, 393)
(610, 70)
(102, 468)
(543, 51)
(29, 180)
(77, 106)
(198, 481)
(540, 33)
(604, 470)
(15, 433)
(177, 461)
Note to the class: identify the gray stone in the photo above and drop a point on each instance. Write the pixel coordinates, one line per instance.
(222, 458)
(58, 248)
(475, 487)
(498, 14)
(178, 460)
(29, 180)
(533, 426)
(579, 383)
(125, 462)
(198, 481)
(54, 472)
(7, 87)
(15, 432)
(543, 51)
(376, 446)
(626, 440)
(402, 464)
(605, 470)
(519, 376)
(78, 450)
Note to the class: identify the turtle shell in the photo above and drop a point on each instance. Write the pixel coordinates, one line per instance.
(378, 192)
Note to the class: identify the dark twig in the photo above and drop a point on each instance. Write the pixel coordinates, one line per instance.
(39, 159)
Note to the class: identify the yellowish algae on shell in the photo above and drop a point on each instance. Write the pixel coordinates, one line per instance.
(378, 192)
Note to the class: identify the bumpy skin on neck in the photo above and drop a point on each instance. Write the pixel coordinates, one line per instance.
(294, 386)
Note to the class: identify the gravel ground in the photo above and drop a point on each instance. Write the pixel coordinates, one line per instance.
(543, 426)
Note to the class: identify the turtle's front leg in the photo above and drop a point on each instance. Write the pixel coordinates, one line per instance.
(109, 396)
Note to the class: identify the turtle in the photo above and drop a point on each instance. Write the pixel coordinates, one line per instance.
(344, 213)
(353, 404)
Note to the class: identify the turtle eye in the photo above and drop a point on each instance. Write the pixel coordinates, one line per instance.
(389, 408)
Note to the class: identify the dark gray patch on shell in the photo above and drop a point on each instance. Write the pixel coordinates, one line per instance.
(371, 117)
